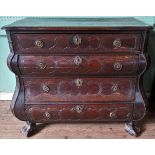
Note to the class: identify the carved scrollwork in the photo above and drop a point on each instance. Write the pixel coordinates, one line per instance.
(132, 129)
(29, 129)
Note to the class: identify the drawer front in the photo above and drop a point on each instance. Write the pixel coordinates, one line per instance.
(75, 43)
(58, 89)
(79, 64)
(79, 112)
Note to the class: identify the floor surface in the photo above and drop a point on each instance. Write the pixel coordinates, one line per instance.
(10, 128)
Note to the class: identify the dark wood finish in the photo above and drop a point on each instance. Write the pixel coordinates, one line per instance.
(132, 129)
(29, 129)
(79, 112)
(152, 98)
(80, 64)
(10, 128)
(64, 43)
(71, 71)
(91, 89)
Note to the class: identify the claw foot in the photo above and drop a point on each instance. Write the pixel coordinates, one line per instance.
(132, 129)
(29, 129)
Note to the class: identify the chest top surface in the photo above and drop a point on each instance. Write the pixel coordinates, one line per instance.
(65, 23)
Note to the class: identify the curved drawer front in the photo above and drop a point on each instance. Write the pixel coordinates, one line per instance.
(75, 43)
(79, 89)
(79, 112)
(79, 64)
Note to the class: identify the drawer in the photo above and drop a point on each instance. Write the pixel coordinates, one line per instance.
(79, 64)
(75, 89)
(79, 112)
(75, 43)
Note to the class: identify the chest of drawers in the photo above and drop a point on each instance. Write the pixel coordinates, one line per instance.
(78, 70)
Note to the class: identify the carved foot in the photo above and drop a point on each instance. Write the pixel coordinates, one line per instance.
(132, 129)
(29, 129)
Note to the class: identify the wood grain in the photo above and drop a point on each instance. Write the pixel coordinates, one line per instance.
(80, 65)
(10, 128)
(64, 43)
(83, 86)
(91, 89)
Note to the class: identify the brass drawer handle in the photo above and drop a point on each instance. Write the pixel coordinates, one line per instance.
(118, 66)
(112, 114)
(115, 88)
(47, 115)
(45, 88)
(39, 43)
(79, 109)
(42, 65)
(78, 82)
(117, 43)
(77, 60)
(77, 40)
